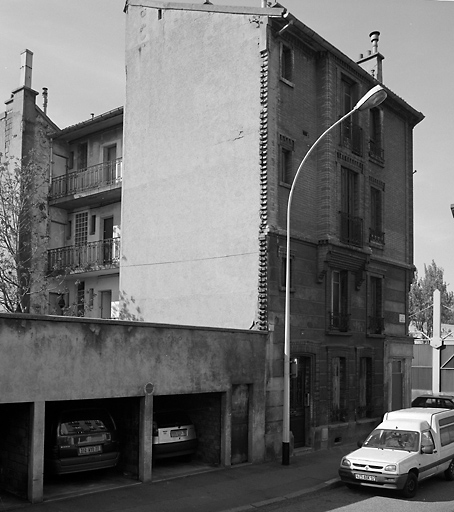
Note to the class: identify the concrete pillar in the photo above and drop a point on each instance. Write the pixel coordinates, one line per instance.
(226, 428)
(145, 437)
(36, 459)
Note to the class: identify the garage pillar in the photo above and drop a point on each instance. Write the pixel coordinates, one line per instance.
(226, 428)
(145, 437)
(36, 458)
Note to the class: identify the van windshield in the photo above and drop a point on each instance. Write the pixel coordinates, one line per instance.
(393, 439)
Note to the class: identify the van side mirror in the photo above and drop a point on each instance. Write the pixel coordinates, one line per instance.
(359, 444)
(428, 449)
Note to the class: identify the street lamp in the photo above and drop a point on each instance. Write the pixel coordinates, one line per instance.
(371, 99)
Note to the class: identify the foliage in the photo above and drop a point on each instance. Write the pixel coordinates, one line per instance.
(23, 228)
(421, 299)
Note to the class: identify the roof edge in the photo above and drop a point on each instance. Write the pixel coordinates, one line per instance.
(220, 9)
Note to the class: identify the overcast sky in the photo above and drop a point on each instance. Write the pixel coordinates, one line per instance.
(78, 48)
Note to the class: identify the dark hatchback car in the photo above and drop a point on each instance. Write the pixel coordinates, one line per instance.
(174, 435)
(80, 440)
(434, 400)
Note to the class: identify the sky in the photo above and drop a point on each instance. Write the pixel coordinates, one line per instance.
(79, 47)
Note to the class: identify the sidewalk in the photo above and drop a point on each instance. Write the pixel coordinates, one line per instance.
(236, 489)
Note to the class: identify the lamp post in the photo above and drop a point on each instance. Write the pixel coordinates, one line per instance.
(371, 99)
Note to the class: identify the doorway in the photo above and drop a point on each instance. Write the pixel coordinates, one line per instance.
(300, 400)
(108, 240)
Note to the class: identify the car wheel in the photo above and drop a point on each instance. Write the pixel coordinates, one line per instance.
(411, 486)
(449, 473)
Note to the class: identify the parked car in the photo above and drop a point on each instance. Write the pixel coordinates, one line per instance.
(174, 434)
(409, 446)
(81, 440)
(437, 400)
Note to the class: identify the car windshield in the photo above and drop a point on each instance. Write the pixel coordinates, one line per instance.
(393, 439)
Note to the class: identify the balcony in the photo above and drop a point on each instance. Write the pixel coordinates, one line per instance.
(376, 152)
(376, 237)
(339, 322)
(352, 137)
(351, 229)
(99, 183)
(89, 257)
(376, 325)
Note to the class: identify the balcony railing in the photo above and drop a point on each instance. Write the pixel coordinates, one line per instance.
(85, 258)
(107, 173)
(352, 137)
(377, 237)
(376, 151)
(376, 325)
(339, 322)
(351, 229)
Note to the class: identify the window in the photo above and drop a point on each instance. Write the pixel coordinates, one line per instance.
(93, 225)
(81, 228)
(110, 163)
(352, 135)
(82, 156)
(376, 233)
(287, 63)
(376, 134)
(339, 389)
(351, 225)
(81, 298)
(376, 324)
(365, 408)
(69, 229)
(339, 316)
(286, 148)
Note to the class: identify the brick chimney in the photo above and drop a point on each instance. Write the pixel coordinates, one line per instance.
(372, 63)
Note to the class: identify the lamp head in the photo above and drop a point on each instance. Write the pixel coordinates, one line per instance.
(372, 98)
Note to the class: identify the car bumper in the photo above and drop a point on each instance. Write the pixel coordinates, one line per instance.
(387, 481)
(165, 450)
(85, 463)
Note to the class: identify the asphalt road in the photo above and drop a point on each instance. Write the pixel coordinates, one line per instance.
(434, 495)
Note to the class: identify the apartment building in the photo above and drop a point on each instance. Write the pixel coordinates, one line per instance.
(222, 104)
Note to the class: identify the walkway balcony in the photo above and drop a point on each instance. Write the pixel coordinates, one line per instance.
(99, 183)
(90, 257)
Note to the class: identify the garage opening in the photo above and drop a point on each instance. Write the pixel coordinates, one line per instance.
(90, 443)
(204, 412)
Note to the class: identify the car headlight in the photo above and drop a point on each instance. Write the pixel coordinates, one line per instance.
(346, 463)
(391, 467)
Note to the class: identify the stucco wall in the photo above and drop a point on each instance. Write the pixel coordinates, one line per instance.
(59, 358)
(191, 191)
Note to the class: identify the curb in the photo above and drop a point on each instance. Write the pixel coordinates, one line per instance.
(329, 484)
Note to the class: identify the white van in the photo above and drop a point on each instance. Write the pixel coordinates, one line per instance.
(409, 445)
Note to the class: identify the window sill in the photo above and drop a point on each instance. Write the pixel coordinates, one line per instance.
(380, 336)
(377, 160)
(332, 332)
(290, 84)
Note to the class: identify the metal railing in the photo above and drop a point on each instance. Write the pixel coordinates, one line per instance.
(339, 322)
(95, 176)
(84, 258)
(376, 236)
(352, 137)
(376, 325)
(351, 229)
(376, 151)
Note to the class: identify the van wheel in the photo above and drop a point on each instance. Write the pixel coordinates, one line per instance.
(411, 486)
(449, 473)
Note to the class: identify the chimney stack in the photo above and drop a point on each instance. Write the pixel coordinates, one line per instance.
(372, 62)
(374, 36)
(45, 100)
(26, 69)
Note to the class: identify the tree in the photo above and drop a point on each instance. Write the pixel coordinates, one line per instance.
(23, 232)
(421, 299)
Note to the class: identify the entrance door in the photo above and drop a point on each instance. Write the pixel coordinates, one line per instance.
(108, 240)
(300, 400)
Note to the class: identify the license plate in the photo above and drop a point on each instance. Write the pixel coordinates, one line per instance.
(178, 433)
(88, 450)
(369, 478)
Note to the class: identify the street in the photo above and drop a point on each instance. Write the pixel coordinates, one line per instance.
(434, 495)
